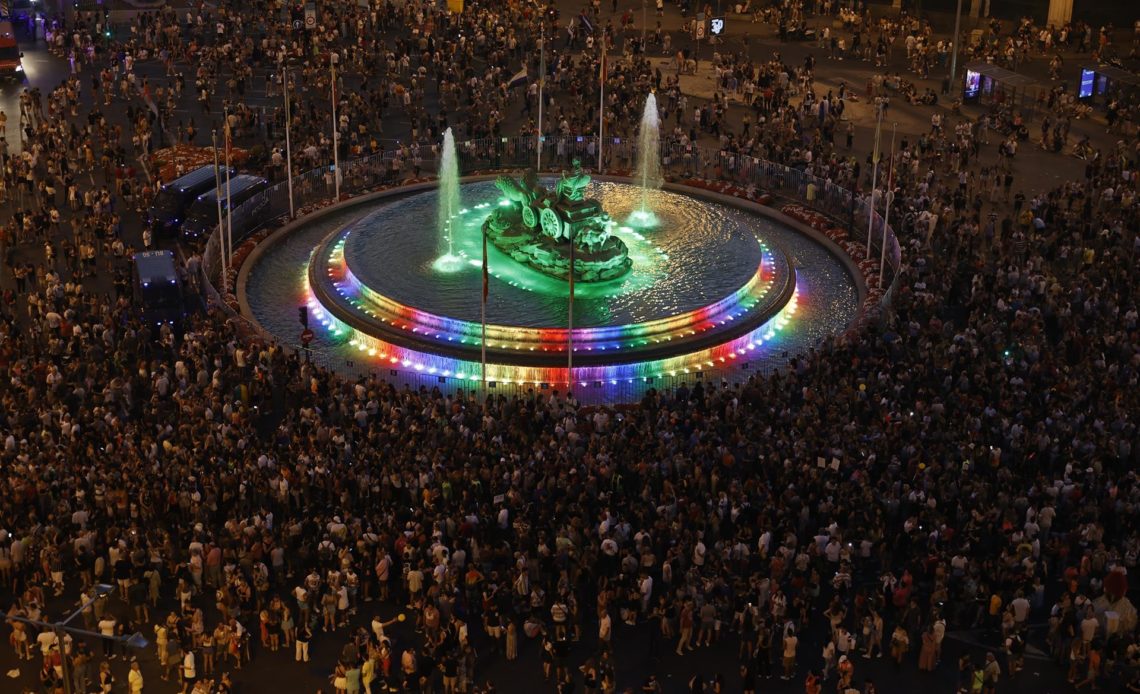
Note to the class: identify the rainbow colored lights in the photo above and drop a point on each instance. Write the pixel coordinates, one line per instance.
(727, 331)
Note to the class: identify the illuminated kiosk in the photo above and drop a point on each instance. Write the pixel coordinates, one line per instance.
(354, 288)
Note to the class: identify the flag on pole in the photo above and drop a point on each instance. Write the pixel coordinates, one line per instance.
(518, 80)
(570, 320)
(602, 65)
(486, 271)
(229, 138)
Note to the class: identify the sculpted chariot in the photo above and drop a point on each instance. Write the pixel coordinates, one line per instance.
(539, 227)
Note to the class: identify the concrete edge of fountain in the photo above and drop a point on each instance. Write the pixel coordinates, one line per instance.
(700, 193)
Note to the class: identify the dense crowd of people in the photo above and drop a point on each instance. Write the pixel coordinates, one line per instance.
(968, 465)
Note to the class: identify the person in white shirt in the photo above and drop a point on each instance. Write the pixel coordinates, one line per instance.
(1020, 607)
(107, 628)
(605, 629)
(699, 552)
(189, 671)
(46, 641)
(378, 627)
(645, 586)
(1088, 627)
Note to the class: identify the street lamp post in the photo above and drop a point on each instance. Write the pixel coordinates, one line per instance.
(890, 202)
(229, 235)
(288, 141)
(61, 629)
(541, 84)
(336, 128)
(643, 25)
(957, 35)
(221, 227)
(874, 177)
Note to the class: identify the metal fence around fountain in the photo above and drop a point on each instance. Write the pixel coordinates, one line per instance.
(316, 187)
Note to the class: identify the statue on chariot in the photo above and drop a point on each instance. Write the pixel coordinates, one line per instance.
(543, 228)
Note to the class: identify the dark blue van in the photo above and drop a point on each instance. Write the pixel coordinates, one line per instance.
(203, 215)
(158, 288)
(174, 199)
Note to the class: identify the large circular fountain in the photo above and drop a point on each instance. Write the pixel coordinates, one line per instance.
(555, 280)
(704, 282)
(709, 285)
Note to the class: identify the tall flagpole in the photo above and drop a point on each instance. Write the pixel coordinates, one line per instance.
(229, 203)
(890, 199)
(570, 323)
(601, 105)
(288, 143)
(874, 175)
(336, 147)
(221, 227)
(541, 84)
(483, 313)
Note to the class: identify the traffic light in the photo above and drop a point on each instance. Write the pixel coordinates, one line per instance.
(303, 315)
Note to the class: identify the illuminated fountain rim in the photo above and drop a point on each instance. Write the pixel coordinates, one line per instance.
(365, 311)
(748, 351)
(735, 352)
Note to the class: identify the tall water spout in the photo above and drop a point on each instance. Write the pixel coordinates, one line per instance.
(648, 159)
(447, 215)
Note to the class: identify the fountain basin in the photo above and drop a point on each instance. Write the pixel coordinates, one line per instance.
(718, 286)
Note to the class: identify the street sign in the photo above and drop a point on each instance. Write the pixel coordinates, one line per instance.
(716, 26)
(701, 29)
(296, 25)
(310, 16)
(307, 336)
